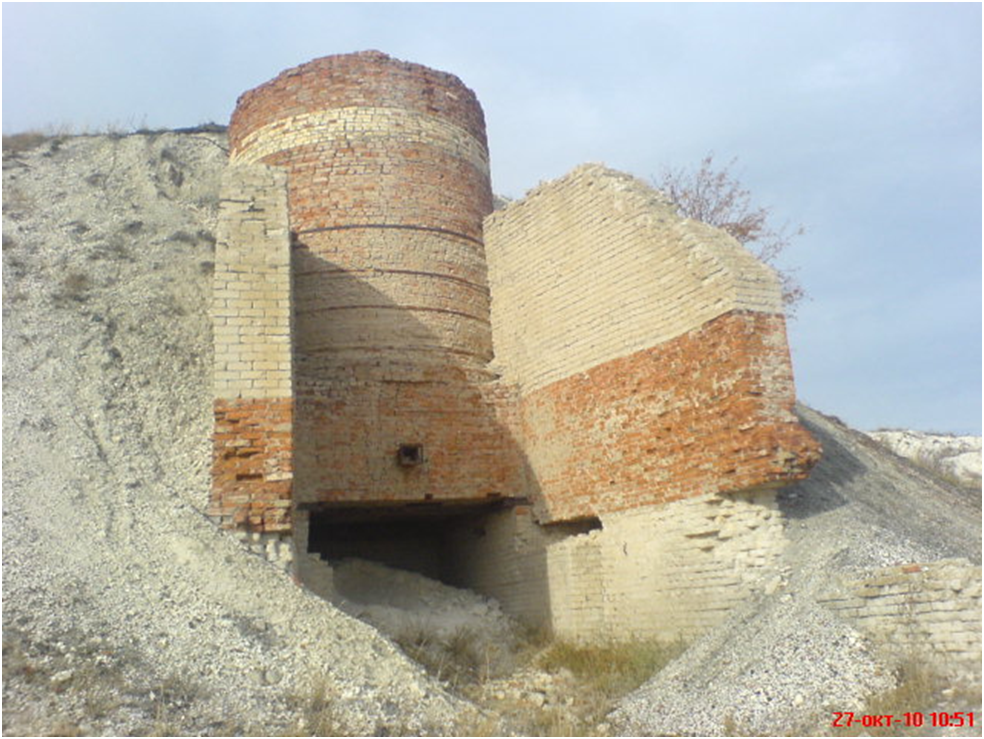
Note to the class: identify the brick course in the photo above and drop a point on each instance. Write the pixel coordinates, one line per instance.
(918, 609)
(252, 467)
(367, 79)
(709, 411)
(640, 377)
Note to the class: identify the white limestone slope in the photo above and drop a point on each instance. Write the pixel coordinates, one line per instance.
(955, 457)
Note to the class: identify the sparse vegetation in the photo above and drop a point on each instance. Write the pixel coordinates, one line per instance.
(114, 250)
(713, 195)
(317, 715)
(613, 668)
(21, 142)
(919, 689)
(182, 237)
(16, 204)
(458, 659)
(554, 687)
(74, 286)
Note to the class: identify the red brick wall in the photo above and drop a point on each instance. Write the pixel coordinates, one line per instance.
(709, 411)
(345, 190)
(364, 79)
(251, 463)
(348, 434)
(388, 185)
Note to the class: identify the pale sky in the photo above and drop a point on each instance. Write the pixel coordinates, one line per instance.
(862, 122)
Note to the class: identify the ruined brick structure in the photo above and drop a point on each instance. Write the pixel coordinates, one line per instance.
(506, 401)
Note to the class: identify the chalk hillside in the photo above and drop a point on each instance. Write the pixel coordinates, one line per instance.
(127, 611)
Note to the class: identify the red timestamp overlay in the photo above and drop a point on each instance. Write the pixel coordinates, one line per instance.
(957, 719)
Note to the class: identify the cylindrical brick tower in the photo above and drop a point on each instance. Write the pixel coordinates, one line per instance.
(388, 184)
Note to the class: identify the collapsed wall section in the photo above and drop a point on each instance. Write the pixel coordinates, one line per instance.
(918, 610)
(252, 466)
(649, 350)
(664, 572)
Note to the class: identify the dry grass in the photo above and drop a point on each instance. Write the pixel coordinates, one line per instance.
(919, 689)
(582, 683)
(21, 142)
(612, 668)
(459, 660)
(319, 713)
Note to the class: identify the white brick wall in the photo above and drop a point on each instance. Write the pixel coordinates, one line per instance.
(251, 306)
(918, 608)
(665, 572)
(331, 128)
(597, 265)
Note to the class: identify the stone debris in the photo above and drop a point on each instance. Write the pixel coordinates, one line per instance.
(784, 662)
(127, 611)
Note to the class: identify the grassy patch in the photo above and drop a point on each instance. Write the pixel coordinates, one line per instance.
(316, 713)
(917, 689)
(613, 668)
(21, 142)
(458, 659)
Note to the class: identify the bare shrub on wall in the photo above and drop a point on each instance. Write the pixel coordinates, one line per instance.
(713, 195)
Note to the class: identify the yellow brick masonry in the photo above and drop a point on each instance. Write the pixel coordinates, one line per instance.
(657, 572)
(918, 608)
(330, 129)
(598, 265)
(251, 299)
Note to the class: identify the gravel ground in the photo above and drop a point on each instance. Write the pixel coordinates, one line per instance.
(125, 610)
(782, 663)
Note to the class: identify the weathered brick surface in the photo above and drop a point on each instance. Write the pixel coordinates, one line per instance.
(918, 608)
(650, 350)
(251, 295)
(597, 265)
(251, 463)
(388, 183)
(666, 571)
(403, 297)
(707, 412)
(349, 432)
(368, 79)
(640, 377)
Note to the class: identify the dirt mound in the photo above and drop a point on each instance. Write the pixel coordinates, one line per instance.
(784, 662)
(125, 610)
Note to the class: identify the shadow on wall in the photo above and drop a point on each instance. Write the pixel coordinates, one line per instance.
(406, 450)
